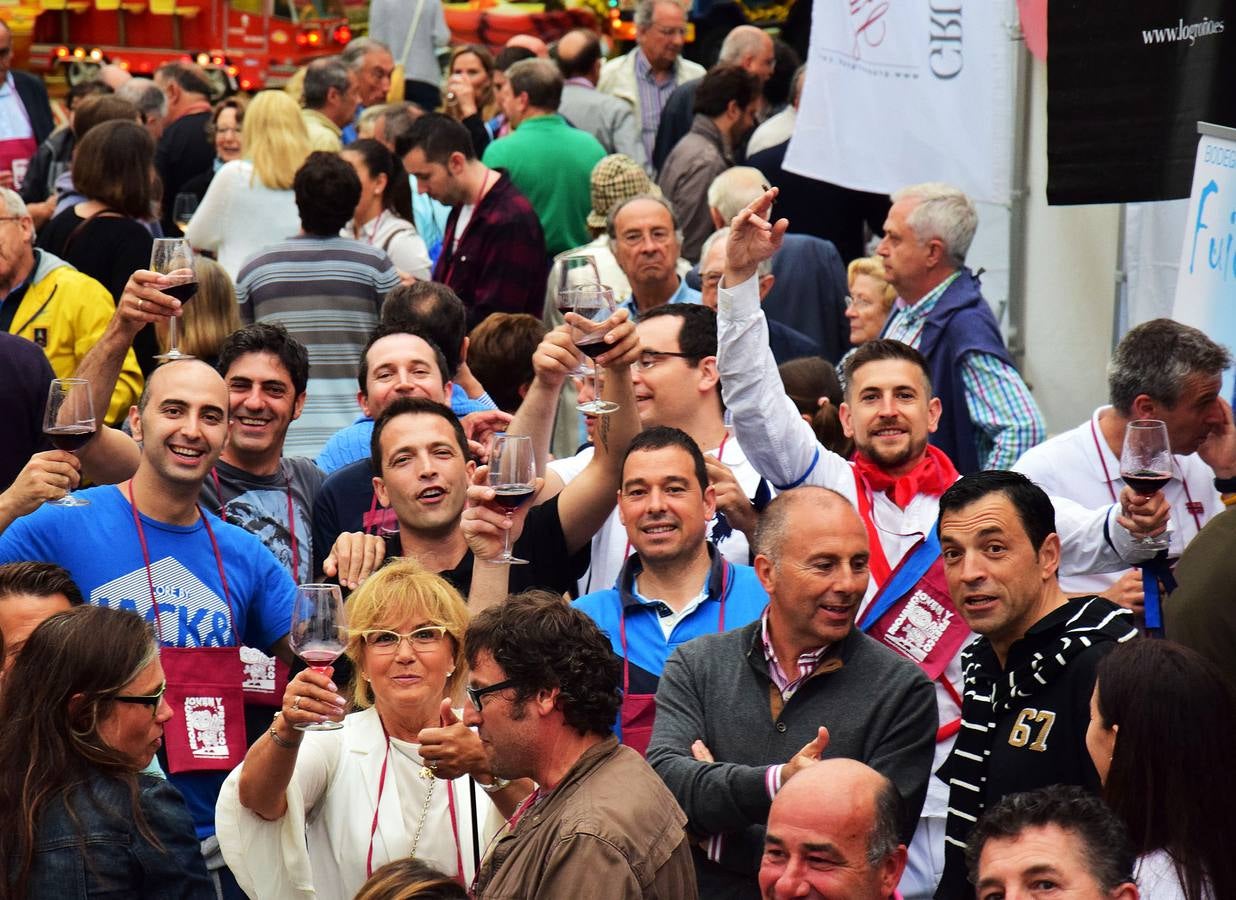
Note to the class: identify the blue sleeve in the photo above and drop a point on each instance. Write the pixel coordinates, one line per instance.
(333, 455)
(21, 542)
(269, 608)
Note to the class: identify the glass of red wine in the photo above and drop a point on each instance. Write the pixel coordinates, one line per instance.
(173, 259)
(319, 632)
(69, 422)
(512, 475)
(1146, 464)
(589, 324)
(575, 273)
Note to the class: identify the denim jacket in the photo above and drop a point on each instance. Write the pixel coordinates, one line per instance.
(119, 862)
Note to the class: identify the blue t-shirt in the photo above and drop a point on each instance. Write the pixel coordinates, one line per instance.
(100, 548)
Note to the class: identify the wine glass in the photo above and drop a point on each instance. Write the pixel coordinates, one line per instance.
(173, 258)
(512, 475)
(69, 422)
(1146, 464)
(574, 273)
(318, 633)
(183, 208)
(589, 325)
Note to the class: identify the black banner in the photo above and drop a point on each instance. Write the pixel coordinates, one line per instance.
(1127, 83)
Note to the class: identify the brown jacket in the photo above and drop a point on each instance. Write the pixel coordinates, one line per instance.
(611, 829)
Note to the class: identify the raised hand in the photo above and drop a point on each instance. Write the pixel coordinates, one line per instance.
(753, 238)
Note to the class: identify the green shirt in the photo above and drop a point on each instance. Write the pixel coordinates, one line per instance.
(551, 164)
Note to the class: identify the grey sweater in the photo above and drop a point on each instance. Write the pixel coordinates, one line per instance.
(878, 707)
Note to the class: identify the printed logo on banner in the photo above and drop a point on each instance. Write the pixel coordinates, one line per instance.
(259, 670)
(206, 724)
(191, 613)
(919, 627)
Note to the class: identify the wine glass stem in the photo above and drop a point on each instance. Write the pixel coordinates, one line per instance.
(506, 541)
(173, 342)
(596, 383)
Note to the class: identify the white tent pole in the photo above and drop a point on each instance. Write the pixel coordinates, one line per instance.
(1018, 194)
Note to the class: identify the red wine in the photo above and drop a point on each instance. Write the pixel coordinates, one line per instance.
(594, 349)
(318, 657)
(511, 495)
(69, 437)
(183, 292)
(1146, 482)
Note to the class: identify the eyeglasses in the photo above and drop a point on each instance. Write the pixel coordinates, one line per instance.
(859, 303)
(151, 700)
(475, 694)
(650, 359)
(427, 637)
(670, 30)
(11, 218)
(659, 236)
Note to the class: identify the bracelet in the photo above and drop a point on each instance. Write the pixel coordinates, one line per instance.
(1228, 499)
(1225, 485)
(282, 742)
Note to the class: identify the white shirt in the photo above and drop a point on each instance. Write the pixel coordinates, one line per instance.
(14, 122)
(1156, 878)
(610, 546)
(775, 130)
(398, 238)
(1080, 465)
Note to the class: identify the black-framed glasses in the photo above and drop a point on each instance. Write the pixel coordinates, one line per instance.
(151, 700)
(475, 694)
(651, 358)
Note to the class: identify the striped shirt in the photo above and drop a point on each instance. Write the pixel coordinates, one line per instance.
(1006, 419)
(787, 683)
(327, 292)
(653, 95)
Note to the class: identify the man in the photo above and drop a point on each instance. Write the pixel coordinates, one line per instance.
(1029, 676)
(25, 375)
(603, 116)
(330, 98)
(1198, 614)
(183, 151)
(144, 545)
(1055, 840)
(432, 311)
(725, 106)
(739, 714)
(493, 250)
(544, 689)
(253, 485)
(548, 160)
(55, 155)
(895, 482)
(676, 585)
(989, 418)
(786, 343)
(372, 65)
(47, 301)
(779, 127)
(643, 233)
(325, 289)
(150, 101)
(746, 46)
(25, 115)
(1161, 370)
(29, 593)
(647, 75)
(834, 831)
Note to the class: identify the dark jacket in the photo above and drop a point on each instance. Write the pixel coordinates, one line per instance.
(34, 97)
(610, 829)
(675, 121)
(118, 860)
(698, 158)
(53, 157)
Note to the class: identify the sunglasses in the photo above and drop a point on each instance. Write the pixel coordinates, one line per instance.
(151, 700)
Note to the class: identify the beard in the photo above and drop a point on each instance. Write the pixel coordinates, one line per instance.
(890, 458)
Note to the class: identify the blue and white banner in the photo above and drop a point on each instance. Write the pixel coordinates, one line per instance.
(904, 91)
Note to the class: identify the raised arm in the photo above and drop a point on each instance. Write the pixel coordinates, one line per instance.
(553, 360)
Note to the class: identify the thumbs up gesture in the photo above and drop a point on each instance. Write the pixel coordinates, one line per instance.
(452, 749)
(806, 756)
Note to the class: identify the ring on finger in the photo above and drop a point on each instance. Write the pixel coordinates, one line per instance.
(296, 703)
(433, 764)
(141, 305)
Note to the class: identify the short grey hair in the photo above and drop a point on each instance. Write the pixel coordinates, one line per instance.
(745, 40)
(944, 213)
(764, 267)
(145, 95)
(540, 79)
(358, 48)
(644, 10)
(320, 77)
(14, 205)
(886, 829)
(735, 189)
(1156, 358)
(619, 207)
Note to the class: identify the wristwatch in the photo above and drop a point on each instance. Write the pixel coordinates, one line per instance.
(498, 784)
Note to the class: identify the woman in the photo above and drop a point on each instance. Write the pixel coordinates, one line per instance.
(470, 95)
(224, 133)
(210, 318)
(103, 236)
(871, 298)
(250, 203)
(367, 791)
(410, 879)
(1162, 729)
(812, 383)
(83, 714)
(383, 216)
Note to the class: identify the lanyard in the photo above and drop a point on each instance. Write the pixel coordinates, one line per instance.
(373, 828)
(377, 223)
(214, 545)
(1193, 507)
(450, 243)
(287, 480)
(511, 824)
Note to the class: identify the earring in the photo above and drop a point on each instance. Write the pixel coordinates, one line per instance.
(450, 673)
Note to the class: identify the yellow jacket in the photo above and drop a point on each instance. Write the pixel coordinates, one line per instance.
(65, 312)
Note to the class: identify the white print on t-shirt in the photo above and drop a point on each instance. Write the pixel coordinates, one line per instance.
(191, 614)
(206, 723)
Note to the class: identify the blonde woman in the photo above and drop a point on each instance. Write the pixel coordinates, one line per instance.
(871, 298)
(249, 203)
(315, 813)
(210, 318)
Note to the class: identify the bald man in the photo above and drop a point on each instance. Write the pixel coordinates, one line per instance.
(608, 119)
(833, 833)
(741, 714)
(145, 545)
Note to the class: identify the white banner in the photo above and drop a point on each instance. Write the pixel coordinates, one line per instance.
(1206, 281)
(903, 91)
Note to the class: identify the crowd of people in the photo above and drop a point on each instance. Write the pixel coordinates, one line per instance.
(809, 605)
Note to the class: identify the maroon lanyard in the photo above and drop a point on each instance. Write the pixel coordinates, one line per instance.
(214, 545)
(1193, 507)
(287, 480)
